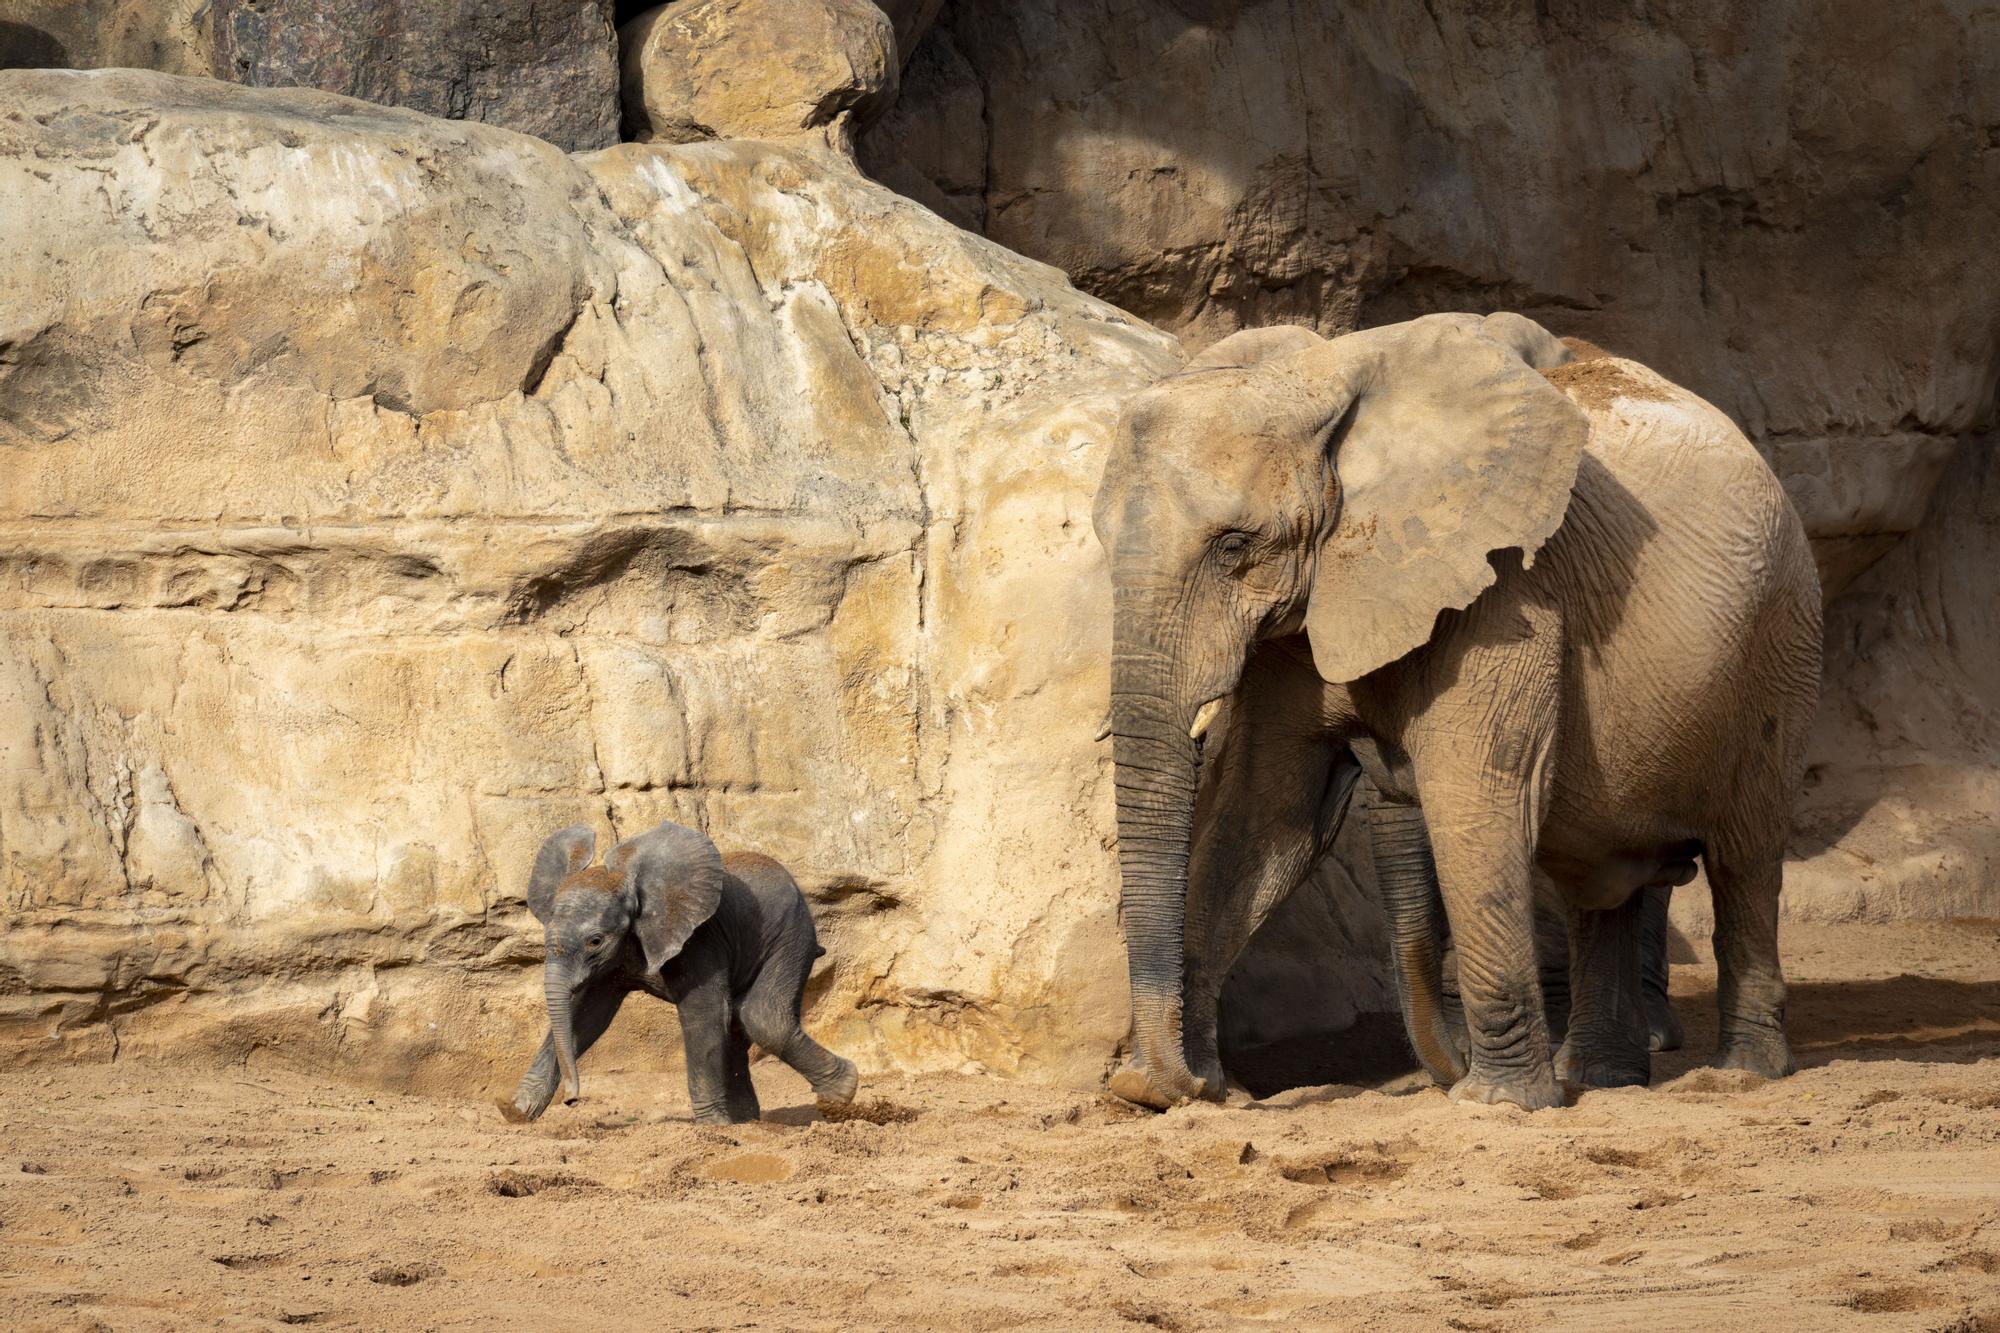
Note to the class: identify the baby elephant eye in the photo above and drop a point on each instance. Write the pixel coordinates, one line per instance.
(596, 941)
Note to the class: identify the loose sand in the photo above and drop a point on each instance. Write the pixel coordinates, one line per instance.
(1863, 1192)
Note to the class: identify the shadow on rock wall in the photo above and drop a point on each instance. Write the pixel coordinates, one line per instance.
(1783, 207)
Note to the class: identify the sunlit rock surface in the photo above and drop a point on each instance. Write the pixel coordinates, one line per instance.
(383, 492)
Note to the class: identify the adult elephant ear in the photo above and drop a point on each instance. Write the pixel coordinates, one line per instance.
(1448, 446)
(566, 852)
(672, 880)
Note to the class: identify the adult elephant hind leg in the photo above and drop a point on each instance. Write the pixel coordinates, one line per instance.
(593, 1014)
(1608, 1044)
(1749, 982)
(1663, 1028)
(770, 1012)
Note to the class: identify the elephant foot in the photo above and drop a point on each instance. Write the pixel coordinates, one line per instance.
(1766, 1054)
(1582, 1068)
(1207, 1071)
(716, 1116)
(514, 1113)
(1663, 1030)
(1130, 1084)
(839, 1090)
(1133, 1084)
(1531, 1092)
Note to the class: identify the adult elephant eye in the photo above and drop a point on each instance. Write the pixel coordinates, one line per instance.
(1233, 544)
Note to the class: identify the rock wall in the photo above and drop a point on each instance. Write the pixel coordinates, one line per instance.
(544, 67)
(1785, 207)
(381, 493)
(1781, 207)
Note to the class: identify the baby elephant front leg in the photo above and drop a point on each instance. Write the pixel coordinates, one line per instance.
(718, 1066)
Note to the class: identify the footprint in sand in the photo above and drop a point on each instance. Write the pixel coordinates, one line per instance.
(750, 1168)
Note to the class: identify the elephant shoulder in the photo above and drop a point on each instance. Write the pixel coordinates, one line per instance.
(1662, 451)
(1641, 420)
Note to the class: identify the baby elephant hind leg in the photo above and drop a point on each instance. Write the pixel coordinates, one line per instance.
(770, 1013)
(1608, 1044)
(1749, 984)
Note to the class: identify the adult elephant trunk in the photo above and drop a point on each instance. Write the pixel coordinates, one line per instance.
(560, 992)
(1156, 774)
(1406, 876)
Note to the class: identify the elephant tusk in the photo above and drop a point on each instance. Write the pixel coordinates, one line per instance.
(1204, 718)
(1104, 729)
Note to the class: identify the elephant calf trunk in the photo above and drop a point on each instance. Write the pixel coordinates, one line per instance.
(562, 1029)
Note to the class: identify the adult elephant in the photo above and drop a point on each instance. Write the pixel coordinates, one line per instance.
(1556, 609)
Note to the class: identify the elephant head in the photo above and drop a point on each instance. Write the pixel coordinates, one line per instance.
(1349, 490)
(654, 889)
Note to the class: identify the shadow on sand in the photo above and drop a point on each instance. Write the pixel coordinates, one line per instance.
(1890, 1018)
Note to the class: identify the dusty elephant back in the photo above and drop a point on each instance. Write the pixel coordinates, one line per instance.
(770, 897)
(1690, 604)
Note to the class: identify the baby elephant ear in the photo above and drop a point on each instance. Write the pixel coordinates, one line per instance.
(565, 853)
(673, 881)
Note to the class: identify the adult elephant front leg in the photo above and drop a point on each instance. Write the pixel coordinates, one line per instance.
(1483, 870)
(1482, 748)
(1406, 879)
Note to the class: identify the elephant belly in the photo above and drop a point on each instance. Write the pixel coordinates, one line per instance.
(1691, 654)
(1596, 880)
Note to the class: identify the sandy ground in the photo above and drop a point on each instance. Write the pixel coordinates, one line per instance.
(1863, 1192)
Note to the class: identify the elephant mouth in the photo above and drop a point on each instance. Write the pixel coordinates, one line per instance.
(1204, 718)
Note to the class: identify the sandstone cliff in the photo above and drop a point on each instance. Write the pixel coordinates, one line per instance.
(544, 67)
(383, 492)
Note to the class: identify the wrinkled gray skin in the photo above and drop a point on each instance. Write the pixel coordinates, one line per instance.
(1663, 1029)
(1566, 623)
(729, 940)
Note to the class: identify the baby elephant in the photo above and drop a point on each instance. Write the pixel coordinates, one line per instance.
(728, 939)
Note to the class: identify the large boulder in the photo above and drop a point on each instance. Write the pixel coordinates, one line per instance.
(757, 69)
(385, 492)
